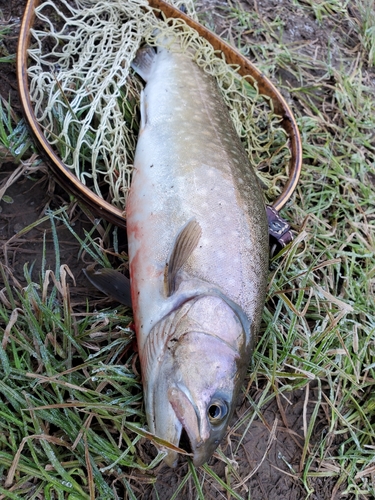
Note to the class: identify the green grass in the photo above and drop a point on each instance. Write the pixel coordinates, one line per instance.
(5, 57)
(14, 138)
(71, 414)
(65, 394)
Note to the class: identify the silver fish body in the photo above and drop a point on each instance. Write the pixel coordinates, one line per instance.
(198, 253)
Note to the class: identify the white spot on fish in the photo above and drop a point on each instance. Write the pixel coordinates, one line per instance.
(220, 255)
(232, 282)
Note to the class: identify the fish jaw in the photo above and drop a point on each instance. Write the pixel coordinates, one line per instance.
(203, 441)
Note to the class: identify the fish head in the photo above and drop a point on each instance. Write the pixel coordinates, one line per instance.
(203, 393)
(194, 390)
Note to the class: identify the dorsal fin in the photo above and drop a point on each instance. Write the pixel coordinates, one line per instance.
(111, 283)
(184, 245)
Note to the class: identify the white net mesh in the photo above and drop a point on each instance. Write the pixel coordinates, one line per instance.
(86, 97)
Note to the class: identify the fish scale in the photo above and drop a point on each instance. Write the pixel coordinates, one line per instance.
(191, 173)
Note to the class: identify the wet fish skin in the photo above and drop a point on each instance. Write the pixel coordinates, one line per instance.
(194, 200)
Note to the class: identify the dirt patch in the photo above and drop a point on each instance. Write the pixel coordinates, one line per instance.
(31, 199)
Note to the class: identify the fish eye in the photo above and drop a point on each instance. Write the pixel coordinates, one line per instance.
(217, 411)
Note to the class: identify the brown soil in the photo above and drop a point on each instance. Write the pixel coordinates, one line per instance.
(269, 453)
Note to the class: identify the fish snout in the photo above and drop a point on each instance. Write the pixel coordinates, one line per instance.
(196, 434)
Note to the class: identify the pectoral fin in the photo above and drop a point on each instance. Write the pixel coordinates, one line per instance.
(185, 243)
(111, 283)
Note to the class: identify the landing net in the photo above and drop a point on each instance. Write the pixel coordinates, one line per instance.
(86, 96)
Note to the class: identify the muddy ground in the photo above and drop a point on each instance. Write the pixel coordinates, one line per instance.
(269, 457)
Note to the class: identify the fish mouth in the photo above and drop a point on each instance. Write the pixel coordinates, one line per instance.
(182, 441)
(190, 437)
(185, 443)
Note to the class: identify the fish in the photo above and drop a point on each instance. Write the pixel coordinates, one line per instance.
(198, 247)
